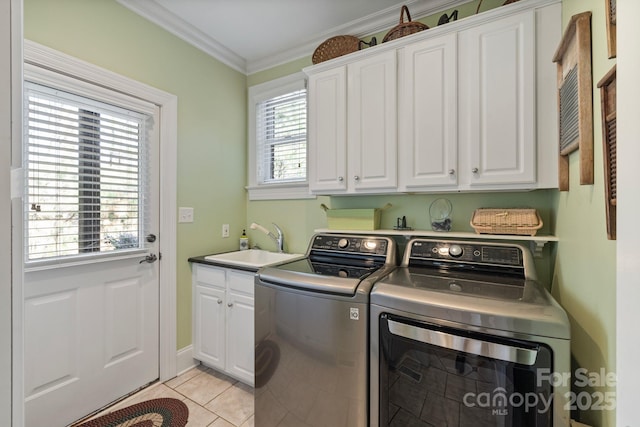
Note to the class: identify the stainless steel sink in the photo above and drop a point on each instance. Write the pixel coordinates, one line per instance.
(252, 258)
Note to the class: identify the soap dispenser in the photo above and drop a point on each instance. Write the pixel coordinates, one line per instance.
(244, 241)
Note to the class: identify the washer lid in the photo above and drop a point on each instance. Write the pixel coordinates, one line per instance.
(314, 276)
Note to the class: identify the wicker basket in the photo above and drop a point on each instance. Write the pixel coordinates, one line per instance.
(506, 221)
(337, 46)
(334, 47)
(404, 28)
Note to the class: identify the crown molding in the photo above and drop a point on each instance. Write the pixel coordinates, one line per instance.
(370, 24)
(160, 16)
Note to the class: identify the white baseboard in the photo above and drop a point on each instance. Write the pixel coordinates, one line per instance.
(185, 360)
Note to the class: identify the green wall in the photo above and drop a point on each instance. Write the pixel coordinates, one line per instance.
(584, 280)
(211, 115)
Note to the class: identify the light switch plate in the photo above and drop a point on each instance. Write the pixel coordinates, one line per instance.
(185, 214)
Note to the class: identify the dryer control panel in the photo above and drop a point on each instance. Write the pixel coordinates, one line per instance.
(465, 252)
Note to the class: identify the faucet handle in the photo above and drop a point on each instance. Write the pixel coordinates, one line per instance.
(280, 238)
(277, 228)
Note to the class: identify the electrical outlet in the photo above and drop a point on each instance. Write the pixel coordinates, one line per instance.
(225, 230)
(185, 214)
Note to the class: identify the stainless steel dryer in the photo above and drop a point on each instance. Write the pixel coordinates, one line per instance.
(311, 332)
(462, 334)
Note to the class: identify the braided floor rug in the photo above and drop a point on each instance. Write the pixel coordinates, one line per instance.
(164, 412)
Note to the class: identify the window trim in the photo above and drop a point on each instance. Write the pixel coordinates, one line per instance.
(88, 93)
(279, 190)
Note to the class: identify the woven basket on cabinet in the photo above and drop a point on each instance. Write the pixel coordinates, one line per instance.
(337, 46)
(404, 28)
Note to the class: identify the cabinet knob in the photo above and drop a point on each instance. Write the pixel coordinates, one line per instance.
(340, 179)
(474, 170)
(230, 304)
(452, 171)
(357, 178)
(219, 301)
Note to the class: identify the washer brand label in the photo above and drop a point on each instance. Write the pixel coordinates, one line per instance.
(354, 313)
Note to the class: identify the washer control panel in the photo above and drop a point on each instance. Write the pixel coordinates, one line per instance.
(476, 253)
(350, 244)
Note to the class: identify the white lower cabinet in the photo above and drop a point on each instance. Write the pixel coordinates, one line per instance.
(223, 313)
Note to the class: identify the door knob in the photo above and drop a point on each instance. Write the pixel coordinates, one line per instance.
(230, 304)
(452, 171)
(357, 178)
(219, 301)
(474, 170)
(151, 258)
(151, 238)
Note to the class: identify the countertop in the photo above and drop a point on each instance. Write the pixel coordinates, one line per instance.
(201, 260)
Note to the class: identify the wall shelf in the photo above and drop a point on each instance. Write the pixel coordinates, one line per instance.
(536, 243)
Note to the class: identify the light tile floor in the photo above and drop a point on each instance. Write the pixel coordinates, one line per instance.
(213, 399)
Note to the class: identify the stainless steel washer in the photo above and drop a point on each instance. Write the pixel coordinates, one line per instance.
(462, 334)
(311, 332)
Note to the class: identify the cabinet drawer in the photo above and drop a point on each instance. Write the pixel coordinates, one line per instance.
(210, 275)
(241, 281)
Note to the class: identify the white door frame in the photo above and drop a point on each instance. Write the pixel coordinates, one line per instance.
(10, 66)
(43, 56)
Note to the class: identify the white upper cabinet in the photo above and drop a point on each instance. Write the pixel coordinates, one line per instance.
(467, 106)
(427, 114)
(371, 123)
(327, 145)
(497, 93)
(352, 127)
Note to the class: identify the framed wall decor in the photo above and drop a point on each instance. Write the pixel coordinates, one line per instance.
(610, 13)
(575, 99)
(607, 87)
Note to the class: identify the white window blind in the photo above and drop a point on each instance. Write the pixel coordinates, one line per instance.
(281, 138)
(86, 173)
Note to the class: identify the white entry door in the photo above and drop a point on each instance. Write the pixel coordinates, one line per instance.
(91, 285)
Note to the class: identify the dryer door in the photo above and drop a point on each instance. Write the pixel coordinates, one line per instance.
(445, 376)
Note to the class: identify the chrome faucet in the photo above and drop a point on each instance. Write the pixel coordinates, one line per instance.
(279, 239)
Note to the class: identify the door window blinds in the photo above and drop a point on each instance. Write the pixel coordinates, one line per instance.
(85, 174)
(281, 138)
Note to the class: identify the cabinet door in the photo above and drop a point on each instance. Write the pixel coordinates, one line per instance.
(372, 123)
(327, 129)
(209, 325)
(240, 325)
(428, 113)
(497, 97)
(240, 342)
